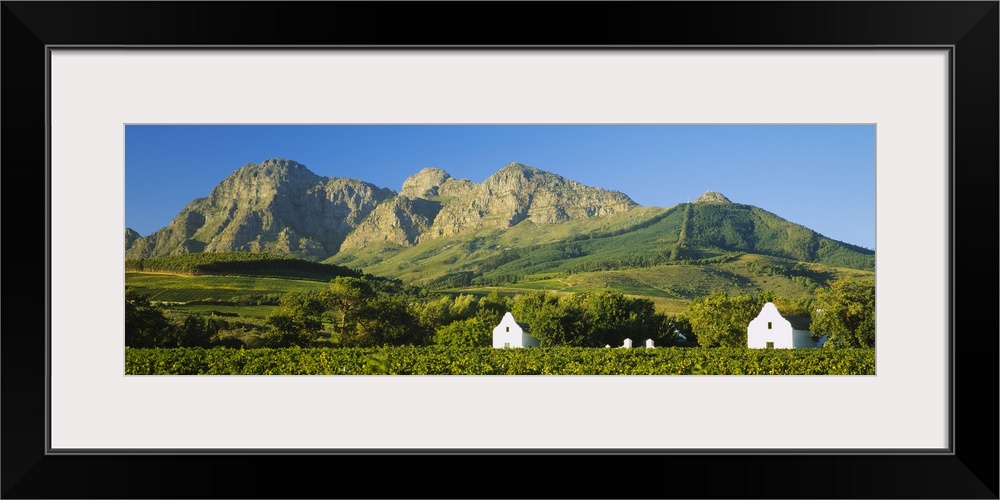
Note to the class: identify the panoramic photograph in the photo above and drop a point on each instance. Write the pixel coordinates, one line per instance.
(499, 250)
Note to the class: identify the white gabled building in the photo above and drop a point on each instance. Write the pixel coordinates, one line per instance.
(509, 334)
(771, 330)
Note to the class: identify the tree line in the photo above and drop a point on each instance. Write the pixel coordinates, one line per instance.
(240, 263)
(367, 311)
(843, 312)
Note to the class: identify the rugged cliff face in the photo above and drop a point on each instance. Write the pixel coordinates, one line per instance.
(518, 192)
(131, 236)
(281, 206)
(425, 183)
(276, 206)
(400, 220)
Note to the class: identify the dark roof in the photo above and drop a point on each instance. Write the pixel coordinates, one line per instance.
(800, 322)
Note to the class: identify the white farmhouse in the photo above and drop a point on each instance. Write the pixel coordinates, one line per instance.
(771, 330)
(509, 334)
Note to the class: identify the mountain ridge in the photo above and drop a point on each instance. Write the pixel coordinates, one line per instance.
(276, 206)
(281, 206)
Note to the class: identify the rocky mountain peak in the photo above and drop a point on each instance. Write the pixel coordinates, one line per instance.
(516, 168)
(281, 206)
(712, 197)
(259, 183)
(425, 183)
(281, 163)
(276, 168)
(517, 192)
(277, 205)
(131, 235)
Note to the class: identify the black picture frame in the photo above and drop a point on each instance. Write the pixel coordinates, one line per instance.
(969, 28)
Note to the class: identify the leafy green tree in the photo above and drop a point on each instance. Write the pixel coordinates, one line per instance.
(643, 321)
(845, 313)
(434, 314)
(470, 332)
(346, 297)
(720, 320)
(145, 324)
(573, 327)
(598, 313)
(552, 322)
(464, 306)
(527, 309)
(609, 317)
(675, 331)
(386, 320)
(491, 308)
(800, 307)
(196, 331)
(587, 318)
(299, 320)
(376, 312)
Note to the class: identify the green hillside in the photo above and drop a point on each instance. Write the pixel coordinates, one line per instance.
(672, 286)
(709, 238)
(750, 229)
(523, 249)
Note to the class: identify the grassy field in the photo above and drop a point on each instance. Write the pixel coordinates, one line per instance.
(671, 287)
(663, 304)
(177, 288)
(224, 311)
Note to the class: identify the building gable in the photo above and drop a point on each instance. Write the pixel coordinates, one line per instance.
(509, 334)
(770, 330)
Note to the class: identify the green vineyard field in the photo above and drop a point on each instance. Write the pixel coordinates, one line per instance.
(489, 361)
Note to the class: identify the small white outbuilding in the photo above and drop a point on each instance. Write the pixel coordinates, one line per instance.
(771, 330)
(509, 334)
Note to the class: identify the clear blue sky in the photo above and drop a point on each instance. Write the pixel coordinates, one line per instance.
(820, 176)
